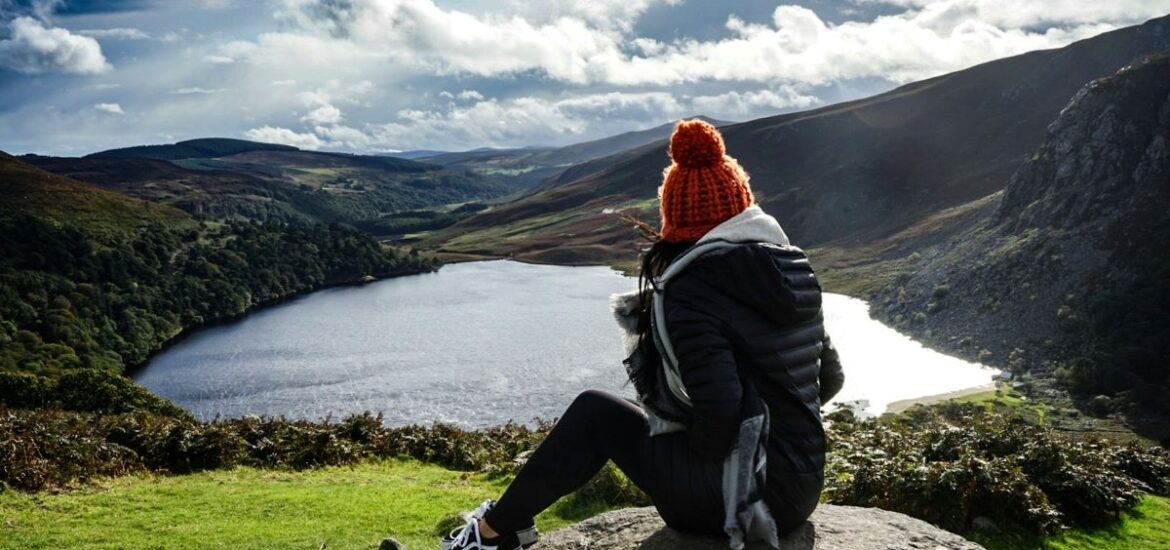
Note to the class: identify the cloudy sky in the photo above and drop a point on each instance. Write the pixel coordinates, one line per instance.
(78, 76)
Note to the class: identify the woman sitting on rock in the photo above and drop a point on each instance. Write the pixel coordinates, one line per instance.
(731, 363)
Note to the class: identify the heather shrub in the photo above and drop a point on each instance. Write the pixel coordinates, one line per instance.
(52, 449)
(42, 449)
(951, 463)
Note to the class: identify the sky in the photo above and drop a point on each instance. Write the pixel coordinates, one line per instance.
(79, 76)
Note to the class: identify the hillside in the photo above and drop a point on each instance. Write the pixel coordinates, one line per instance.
(193, 148)
(1073, 249)
(25, 189)
(846, 173)
(531, 166)
(93, 282)
(277, 183)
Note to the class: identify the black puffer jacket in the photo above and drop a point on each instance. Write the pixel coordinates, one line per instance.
(752, 315)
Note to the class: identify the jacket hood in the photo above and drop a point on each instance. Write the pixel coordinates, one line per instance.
(752, 274)
(765, 278)
(751, 225)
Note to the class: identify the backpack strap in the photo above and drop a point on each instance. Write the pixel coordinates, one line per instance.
(670, 367)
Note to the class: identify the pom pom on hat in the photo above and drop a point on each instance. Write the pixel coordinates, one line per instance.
(703, 187)
(696, 143)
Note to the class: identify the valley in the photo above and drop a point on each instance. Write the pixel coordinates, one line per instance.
(1010, 216)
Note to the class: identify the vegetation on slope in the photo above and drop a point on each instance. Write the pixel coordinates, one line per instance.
(281, 185)
(58, 201)
(92, 282)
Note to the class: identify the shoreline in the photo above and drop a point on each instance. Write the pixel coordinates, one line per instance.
(132, 370)
(898, 407)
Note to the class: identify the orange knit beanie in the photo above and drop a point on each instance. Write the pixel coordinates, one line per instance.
(702, 187)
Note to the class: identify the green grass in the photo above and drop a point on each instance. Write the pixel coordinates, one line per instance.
(1146, 527)
(1005, 399)
(355, 507)
(334, 508)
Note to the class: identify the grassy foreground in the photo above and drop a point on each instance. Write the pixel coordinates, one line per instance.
(1146, 527)
(353, 507)
(245, 508)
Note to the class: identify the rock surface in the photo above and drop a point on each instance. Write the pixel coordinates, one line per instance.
(830, 528)
(1079, 232)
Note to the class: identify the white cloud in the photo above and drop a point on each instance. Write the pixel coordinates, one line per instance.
(196, 90)
(524, 120)
(367, 74)
(1032, 13)
(284, 136)
(117, 33)
(470, 95)
(112, 108)
(618, 14)
(325, 114)
(735, 104)
(465, 95)
(420, 34)
(32, 48)
(799, 47)
(578, 42)
(513, 122)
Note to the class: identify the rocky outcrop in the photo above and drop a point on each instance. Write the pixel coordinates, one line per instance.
(1066, 273)
(1105, 157)
(830, 528)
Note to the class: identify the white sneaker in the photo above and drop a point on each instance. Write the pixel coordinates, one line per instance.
(468, 536)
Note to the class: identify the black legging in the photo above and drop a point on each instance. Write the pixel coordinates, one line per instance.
(686, 489)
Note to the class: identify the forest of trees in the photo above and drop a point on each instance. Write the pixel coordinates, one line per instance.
(77, 308)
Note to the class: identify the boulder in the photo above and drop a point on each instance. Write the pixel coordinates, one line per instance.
(830, 528)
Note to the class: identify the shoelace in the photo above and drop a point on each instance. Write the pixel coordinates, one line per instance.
(483, 508)
(464, 536)
(472, 526)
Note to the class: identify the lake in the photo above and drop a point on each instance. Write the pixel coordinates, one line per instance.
(477, 344)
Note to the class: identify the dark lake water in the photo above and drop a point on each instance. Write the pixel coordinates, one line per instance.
(476, 344)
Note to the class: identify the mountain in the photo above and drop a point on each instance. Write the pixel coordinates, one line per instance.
(530, 166)
(1074, 249)
(193, 148)
(275, 183)
(29, 191)
(415, 154)
(845, 173)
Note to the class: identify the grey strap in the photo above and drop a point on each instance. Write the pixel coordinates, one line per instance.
(658, 306)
